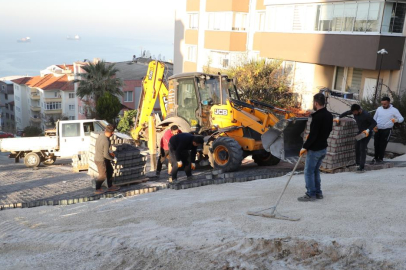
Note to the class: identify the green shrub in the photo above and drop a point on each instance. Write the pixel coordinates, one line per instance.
(32, 131)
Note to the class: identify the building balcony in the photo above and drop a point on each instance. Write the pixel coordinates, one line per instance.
(35, 119)
(57, 99)
(344, 50)
(35, 96)
(35, 108)
(225, 41)
(58, 111)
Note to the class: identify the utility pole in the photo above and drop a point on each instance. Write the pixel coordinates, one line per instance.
(381, 52)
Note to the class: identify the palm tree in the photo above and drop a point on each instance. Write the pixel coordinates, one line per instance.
(98, 79)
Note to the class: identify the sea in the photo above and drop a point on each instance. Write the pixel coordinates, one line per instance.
(29, 58)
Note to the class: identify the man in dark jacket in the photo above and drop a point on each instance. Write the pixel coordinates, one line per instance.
(365, 124)
(103, 159)
(316, 148)
(179, 155)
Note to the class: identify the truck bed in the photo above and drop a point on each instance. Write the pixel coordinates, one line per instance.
(34, 144)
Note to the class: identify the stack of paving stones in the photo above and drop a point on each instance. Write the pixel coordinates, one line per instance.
(341, 144)
(81, 161)
(131, 163)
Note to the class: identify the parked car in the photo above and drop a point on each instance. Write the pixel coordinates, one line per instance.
(6, 135)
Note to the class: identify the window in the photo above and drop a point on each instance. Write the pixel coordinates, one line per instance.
(71, 130)
(71, 117)
(128, 96)
(260, 23)
(6, 96)
(239, 22)
(191, 53)
(56, 94)
(81, 110)
(71, 95)
(6, 106)
(220, 59)
(348, 79)
(187, 101)
(220, 21)
(18, 109)
(71, 107)
(88, 128)
(394, 17)
(193, 20)
(53, 105)
(7, 116)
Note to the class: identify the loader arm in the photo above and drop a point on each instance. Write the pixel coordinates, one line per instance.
(152, 86)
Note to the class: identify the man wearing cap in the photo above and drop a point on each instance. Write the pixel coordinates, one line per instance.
(103, 159)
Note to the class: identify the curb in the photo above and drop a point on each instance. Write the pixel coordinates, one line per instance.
(77, 200)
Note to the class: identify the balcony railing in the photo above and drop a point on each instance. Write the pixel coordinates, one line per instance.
(35, 96)
(56, 111)
(35, 108)
(35, 119)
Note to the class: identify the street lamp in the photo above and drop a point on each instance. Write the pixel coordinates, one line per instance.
(381, 52)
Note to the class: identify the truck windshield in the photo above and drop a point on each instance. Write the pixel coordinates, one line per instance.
(209, 90)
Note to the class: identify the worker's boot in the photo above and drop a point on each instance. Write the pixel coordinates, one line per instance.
(190, 178)
(360, 170)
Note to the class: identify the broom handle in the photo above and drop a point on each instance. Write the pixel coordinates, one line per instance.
(287, 183)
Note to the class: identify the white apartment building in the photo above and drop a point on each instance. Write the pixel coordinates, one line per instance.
(42, 100)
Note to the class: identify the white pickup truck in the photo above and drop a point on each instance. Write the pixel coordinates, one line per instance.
(70, 138)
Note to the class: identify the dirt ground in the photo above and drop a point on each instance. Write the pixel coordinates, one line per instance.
(360, 224)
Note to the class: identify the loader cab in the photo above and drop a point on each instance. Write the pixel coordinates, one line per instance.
(193, 95)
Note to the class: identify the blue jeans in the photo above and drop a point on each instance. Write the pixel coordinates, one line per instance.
(312, 172)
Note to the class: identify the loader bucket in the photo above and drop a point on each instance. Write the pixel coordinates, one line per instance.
(285, 143)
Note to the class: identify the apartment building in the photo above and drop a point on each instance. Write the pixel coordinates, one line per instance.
(7, 117)
(42, 100)
(323, 43)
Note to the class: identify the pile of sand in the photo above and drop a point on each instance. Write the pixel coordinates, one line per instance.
(359, 225)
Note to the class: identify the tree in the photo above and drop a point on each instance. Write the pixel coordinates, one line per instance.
(257, 79)
(108, 107)
(32, 131)
(98, 79)
(127, 121)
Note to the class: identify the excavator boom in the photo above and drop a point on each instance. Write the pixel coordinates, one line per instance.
(152, 87)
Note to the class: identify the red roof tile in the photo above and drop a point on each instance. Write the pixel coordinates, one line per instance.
(22, 80)
(49, 82)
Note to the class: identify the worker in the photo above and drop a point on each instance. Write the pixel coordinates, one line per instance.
(365, 124)
(316, 148)
(385, 116)
(164, 151)
(103, 159)
(182, 153)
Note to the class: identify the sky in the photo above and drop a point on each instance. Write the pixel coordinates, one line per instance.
(150, 20)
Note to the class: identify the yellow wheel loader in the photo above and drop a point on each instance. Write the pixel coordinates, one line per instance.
(209, 105)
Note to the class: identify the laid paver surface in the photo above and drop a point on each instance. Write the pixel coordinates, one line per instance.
(20, 184)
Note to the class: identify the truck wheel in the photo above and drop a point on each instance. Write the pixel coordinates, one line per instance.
(49, 161)
(32, 159)
(227, 154)
(265, 159)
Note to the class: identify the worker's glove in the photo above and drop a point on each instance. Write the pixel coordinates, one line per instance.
(394, 120)
(302, 152)
(112, 155)
(337, 120)
(193, 166)
(366, 132)
(180, 164)
(115, 160)
(375, 129)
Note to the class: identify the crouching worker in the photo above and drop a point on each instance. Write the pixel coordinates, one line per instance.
(182, 153)
(103, 159)
(164, 145)
(365, 124)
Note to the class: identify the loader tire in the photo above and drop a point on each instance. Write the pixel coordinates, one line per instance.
(32, 159)
(227, 154)
(265, 159)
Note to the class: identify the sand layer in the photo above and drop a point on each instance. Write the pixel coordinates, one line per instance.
(359, 225)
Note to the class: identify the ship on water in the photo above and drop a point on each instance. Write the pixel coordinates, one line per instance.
(24, 40)
(76, 37)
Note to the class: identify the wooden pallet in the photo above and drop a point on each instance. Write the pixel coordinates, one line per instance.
(81, 168)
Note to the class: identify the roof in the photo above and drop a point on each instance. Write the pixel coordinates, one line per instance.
(48, 82)
(70, 67)
(130, 70)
